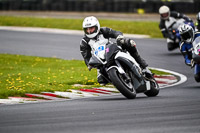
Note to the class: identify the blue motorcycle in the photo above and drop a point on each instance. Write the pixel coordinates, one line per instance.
(174, 36)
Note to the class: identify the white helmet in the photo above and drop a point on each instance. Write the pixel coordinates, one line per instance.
(164, 12)
(198, 16)
(186, 32)
(91, 22)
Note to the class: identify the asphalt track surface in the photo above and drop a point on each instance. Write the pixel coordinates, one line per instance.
(176, 109)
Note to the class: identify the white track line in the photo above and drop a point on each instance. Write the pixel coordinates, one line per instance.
(59, 31)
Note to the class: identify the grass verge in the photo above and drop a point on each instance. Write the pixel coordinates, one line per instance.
(28, 74)
(130, 27)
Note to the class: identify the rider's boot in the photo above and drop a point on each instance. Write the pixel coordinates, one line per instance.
(147, 73)
(187, 60)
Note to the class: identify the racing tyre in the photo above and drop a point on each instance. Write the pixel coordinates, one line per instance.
(124, 86)
(197, 77)
(172, 46)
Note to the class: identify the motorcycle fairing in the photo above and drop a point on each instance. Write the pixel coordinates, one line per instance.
(196, 50)
(140, 85)
(111, 50)
(94, 62)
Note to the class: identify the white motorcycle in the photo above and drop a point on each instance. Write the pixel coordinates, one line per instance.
(120, 68)
(196, 50)
(196, 58)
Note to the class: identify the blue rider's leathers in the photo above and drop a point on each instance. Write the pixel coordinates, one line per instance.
(186, 50)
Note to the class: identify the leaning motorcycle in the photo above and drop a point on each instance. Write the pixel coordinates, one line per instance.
(174, 36)
(118, 67)
(196, 58)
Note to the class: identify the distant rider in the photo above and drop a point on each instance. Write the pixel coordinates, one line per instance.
(93, 32)
(188, 35)
(167, 20)
(198, 22)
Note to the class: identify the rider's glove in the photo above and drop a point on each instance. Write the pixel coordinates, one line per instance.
(120, 39)
(133, 44)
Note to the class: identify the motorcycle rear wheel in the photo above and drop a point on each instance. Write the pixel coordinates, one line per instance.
(121, 85)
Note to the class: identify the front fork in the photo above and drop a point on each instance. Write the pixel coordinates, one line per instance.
(125, 76)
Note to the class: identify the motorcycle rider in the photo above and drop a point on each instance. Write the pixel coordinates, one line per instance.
(167, 20)
(93, 32)
(198, 22)
(188, 35)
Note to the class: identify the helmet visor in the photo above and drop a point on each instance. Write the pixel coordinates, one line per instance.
(165, 15)
(187, 35)
(90, 30)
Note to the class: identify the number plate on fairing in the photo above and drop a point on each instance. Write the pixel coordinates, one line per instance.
(99, 48)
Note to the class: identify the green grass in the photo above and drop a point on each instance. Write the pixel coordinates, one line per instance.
(159, 72)
(28, 74)
(130, 27)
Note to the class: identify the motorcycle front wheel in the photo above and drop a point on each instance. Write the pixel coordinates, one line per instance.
(125, 87)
